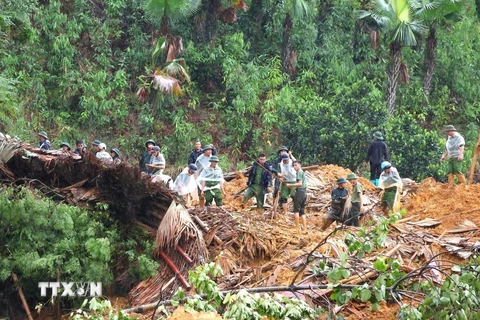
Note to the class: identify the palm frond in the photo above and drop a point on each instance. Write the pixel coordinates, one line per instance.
(300, 8)
(176, 70)
(173, 9)
(165, 83)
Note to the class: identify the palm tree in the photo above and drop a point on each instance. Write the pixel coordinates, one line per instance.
(169, 11)
(436, 13)
(398, 22)
(295, 9)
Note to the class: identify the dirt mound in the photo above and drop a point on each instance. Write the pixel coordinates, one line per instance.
(450, 205)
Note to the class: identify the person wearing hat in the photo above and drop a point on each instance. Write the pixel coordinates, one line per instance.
(286, 174)
(455, 146)
(259, 182)
(300, 200)
(145, 158)
(157, 161)
(115, 154)
(392, 185)
(185, 181)
(339, 199)
(65, 146)
(103, 155)
(212, 183)
(96, 146)
(80, 150)
(281, 151)
(356, 199)
(197, 151)
(376, 153)
(203, 159)
(43, 143)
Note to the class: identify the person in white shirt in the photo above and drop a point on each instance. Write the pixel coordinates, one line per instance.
(102, 154)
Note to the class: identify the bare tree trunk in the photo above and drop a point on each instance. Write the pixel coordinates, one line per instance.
(213, 9)
(287, 44)
(429, 62)
(393, 72)
(164, 26)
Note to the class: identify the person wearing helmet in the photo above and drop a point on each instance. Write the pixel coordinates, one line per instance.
(157, 161)
(95, 146)
(212, 183)
(356, 201)
(197, 151)
(115, 154)
(185, 181)
(276, 164)
(376, 153)
(203, 159)
(145, 158)
(455, 146)
(392, 185)
(339, 199)
(65, 146)
(286, 174)
(43, 143)
(103, 155)
(300, 200)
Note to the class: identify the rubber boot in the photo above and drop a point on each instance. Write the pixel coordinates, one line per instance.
(461, 178)
(377, 181)
(304, 221)
(373, 182)
(451, 180)
(201, 202)
(297, 220)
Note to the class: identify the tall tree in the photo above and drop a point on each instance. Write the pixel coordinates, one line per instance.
(294, 9)
(398, 22)
(169, 11)
(435, 14)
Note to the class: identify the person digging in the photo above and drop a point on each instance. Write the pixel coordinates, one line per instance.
(300, 199)
(357, 201)
(259, 183)
(339, 199)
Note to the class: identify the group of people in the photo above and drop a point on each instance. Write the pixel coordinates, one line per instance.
(98, 148)
(284, 178)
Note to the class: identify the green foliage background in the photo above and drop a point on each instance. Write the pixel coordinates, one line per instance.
(72, 68)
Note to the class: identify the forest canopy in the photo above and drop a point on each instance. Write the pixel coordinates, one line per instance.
(320, 77)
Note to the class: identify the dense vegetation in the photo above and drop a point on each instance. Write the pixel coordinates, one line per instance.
(317, 76)
(43, 241)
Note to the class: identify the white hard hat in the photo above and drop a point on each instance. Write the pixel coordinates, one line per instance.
(102, 146)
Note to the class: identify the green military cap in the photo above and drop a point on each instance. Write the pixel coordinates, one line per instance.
(43, 134)
(450, 128)
(352, 176)
(341, 180)
(214, 159)
(65, 144)
(378, 135)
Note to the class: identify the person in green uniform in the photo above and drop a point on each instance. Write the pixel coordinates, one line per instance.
(455, 146)
(259, 182)
(211, 179)
(356, 199)
(300, 199)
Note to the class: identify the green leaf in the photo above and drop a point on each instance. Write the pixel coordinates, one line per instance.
(380, 265)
